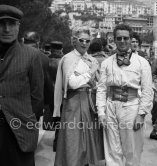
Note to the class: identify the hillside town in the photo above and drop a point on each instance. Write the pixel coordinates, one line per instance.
(101, 16)
(105, 14)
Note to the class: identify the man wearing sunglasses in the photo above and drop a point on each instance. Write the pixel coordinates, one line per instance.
(120, 109)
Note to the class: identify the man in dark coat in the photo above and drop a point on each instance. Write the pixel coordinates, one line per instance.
(21, 92)
(54, 58)
(32, 39)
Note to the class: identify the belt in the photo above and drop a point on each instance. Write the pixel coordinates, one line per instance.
(84, 89)
(122, 93)
(90, 91)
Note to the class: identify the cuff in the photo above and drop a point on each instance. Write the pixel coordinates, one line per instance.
(142, 112)
(101, 111)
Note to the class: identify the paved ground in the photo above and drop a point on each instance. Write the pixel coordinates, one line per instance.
(149, 155)
(45, 155)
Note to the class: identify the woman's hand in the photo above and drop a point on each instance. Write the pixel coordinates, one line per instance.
(102, 120)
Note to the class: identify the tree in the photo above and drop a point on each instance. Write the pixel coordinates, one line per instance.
(38, 17)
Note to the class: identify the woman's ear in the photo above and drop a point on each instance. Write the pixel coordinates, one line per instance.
(73, 41)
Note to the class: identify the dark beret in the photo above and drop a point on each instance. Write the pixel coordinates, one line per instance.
(56, 45)
(10, 12)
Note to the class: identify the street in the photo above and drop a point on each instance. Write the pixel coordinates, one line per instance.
(149, 155)
(45, 156)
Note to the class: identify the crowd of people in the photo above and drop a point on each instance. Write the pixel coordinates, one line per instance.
(99, 96)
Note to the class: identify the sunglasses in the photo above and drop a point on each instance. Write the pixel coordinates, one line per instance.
(124, 38)
(84, 40)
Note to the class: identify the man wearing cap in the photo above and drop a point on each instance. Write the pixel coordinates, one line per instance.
(47, 49)
(54, 58)
(21, 92)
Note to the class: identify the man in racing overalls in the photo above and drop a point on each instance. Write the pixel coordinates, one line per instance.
(120, 109)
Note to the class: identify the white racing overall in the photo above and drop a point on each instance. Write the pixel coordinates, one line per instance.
(123, 146)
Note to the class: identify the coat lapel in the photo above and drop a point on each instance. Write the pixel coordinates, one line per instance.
(5, 63)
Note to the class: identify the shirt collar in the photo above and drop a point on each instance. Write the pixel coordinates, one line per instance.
(135, 51)
(121, 54)
(78, 54)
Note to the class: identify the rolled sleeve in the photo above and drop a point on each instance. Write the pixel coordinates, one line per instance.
(146, 99)
(101, 91)
(77, 81)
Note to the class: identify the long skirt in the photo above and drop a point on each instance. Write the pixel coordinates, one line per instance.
(10, 153)
(80, 139)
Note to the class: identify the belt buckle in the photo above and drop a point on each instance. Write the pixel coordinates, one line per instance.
(124, 98)
(116, 97)
(124, 88)
(119, 97)
(124, 94)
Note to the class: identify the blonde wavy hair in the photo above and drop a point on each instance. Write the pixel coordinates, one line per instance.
(76, 32)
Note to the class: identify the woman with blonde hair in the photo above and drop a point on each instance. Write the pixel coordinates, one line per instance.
(77, 143)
